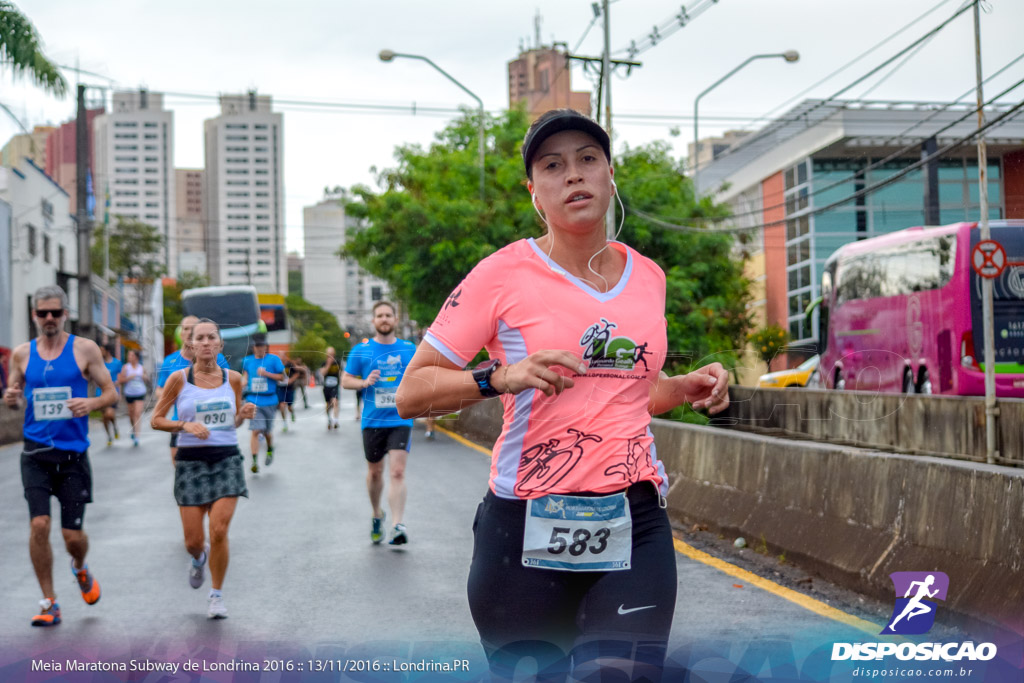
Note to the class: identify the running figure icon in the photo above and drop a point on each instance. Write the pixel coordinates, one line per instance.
(916, 607)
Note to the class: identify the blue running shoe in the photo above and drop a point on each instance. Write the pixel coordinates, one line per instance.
(377, 528)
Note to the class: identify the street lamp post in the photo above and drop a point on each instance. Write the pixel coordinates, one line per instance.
(388, 55)
(789, 56)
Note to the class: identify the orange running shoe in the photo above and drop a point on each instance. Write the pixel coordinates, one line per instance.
(89, 586)
(49, 613)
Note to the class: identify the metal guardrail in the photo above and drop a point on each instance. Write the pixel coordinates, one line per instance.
(945, 426)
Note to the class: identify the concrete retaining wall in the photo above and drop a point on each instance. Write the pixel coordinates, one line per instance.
(852, 515)
(944, 425)
(10, 424)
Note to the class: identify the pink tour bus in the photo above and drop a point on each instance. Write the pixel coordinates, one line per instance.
(902, 312)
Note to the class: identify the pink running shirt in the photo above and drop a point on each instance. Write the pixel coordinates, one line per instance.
(594, 437)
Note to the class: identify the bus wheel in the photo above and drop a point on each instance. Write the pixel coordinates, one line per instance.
(840, 383)
(925, 385)
(908, 382)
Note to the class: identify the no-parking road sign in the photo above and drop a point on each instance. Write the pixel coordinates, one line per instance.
(988, 258)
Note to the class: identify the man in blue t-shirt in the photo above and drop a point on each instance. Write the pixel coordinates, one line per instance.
(376, 367)
(181, 360)
(260, 374)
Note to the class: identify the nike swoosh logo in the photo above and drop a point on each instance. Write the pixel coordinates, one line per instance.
(623, 610)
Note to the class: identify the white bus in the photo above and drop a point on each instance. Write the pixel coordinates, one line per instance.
(235, 308)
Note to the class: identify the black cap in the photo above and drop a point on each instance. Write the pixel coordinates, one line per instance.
(556, 121)
(259, 339)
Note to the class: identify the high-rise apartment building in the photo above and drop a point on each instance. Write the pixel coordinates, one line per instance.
(542, 78)
(245, 231)
(60, 154)
(27, 145)
(134, 166)
(189, 186)
(335, 284)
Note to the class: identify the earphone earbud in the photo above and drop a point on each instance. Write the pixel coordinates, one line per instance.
(614, 188)
(534, 198)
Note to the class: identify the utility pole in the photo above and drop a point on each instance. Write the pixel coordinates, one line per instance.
(606, 78)
(991, 410)
(82, 216)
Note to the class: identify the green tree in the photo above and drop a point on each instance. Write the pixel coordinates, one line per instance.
(295, 282)
(768, 342)
(173, 310)
(428, 228)
(309, 319)
(134, 250)
(20, 46)
(311, 348)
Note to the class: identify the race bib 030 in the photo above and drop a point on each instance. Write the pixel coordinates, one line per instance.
(216, 414)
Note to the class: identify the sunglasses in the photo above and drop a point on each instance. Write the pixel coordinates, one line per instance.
(50, 313)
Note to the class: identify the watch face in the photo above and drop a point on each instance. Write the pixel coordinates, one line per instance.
(488, 364)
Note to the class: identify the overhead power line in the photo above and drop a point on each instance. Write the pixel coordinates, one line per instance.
(1000, 120)
(861, 173)
(666, 28)
(805, 114)
(767, 116)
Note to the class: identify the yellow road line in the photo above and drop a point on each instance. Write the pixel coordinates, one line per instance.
(463, 440)
(793, 596)
(684, 548)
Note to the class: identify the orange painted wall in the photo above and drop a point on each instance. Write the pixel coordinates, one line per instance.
(773, 196)
(1013, 184)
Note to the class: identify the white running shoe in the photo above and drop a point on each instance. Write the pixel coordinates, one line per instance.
(217, 609)
(197, 570)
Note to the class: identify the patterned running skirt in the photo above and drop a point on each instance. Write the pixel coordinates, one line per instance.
(197, 482)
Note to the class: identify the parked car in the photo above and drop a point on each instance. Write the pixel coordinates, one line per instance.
(800, 376)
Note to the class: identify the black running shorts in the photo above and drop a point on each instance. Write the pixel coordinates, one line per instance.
(49, 472)
(544, 613)
(377, 441)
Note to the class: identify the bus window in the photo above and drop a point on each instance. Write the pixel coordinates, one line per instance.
(234, 308)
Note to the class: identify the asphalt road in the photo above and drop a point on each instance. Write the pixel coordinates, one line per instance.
(304, 580)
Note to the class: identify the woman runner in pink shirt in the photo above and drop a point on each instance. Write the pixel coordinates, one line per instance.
(573, 557)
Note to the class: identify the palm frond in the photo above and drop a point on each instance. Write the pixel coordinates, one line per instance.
(20, 46)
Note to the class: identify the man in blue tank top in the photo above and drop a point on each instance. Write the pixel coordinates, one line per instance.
(52, 373)
(376, 367)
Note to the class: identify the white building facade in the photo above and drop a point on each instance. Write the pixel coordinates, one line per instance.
(134, 166)
(335, 284)
(43, 245)
(245, 231)
(190, 185)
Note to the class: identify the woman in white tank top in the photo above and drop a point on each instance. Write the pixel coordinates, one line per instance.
(133, 379)
(208, 475)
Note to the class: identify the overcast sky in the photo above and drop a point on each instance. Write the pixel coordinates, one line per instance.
(327, 51)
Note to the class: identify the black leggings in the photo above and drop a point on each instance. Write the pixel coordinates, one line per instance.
(568, 619)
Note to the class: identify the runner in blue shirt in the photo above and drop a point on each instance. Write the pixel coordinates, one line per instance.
(376, 367)
(113, 366)
(52, 372)
(260, 374)
(181, 360)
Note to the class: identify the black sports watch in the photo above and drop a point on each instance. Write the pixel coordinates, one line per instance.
(482, 376)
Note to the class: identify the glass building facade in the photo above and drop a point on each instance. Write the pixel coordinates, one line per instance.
(812, 237)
